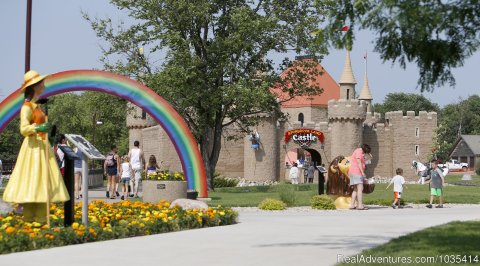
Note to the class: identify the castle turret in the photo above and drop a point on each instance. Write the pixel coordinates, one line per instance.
(347, 80)
(346, 115)
(346, 125)
(365, 93)
(137, 120)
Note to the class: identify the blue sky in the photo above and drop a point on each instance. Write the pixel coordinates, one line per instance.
(63, 40)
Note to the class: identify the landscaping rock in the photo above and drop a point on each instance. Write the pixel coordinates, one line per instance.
(188, 204)
(5, 207)
(466, 177)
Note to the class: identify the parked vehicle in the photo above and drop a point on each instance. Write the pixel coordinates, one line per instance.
(455, 165)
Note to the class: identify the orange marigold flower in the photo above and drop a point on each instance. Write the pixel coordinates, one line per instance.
(10, 230)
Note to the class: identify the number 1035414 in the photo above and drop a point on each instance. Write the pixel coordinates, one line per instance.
(454, 259)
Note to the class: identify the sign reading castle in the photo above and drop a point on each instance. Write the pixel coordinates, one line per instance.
(304, 136)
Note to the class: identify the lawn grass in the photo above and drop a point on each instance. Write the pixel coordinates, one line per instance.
(457, 179)
(419, 194)
(454, 238)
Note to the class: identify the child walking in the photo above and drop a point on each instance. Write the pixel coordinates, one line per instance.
(126, 173)
(436, 182)
(398, 182)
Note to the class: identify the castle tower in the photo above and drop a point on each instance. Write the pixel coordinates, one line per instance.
(346, 115)
(346, 125)
(262, 164)
(365, 93)
(347, 80)
(137, 120)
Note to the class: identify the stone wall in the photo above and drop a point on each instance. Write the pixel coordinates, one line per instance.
(230, 162)
(410, 134)
(157, 142)
(346, 125)
(262, 164)
(310, 114)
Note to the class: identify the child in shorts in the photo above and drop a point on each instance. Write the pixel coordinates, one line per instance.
(436, 182)
(126, 173)
(398, 182)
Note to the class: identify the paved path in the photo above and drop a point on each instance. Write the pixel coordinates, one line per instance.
(293, 237)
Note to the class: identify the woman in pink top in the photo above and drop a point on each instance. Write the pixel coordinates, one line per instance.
(357, 175)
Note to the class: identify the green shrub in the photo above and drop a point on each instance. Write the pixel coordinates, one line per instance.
(322, 202)
(272, 204)
(287, 194)
(222, 181)
(477, 168)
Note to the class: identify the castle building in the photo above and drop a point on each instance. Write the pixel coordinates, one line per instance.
(317, 129)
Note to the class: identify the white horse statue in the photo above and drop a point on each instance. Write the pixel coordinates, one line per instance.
(421, 170)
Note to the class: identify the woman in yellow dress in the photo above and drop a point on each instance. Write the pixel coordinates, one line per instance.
(35, 179)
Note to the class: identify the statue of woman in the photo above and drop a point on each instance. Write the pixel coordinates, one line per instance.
(36, 178)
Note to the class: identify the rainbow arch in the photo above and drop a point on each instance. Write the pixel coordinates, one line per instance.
(136, 93)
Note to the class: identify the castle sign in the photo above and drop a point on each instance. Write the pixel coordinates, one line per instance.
(304, 136)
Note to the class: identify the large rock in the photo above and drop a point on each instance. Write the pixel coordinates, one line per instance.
(5, 207)
(467, 177)
(188, 204)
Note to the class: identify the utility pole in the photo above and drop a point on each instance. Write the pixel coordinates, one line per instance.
(28, 35)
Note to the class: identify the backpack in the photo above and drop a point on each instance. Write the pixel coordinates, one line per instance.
(110, 159)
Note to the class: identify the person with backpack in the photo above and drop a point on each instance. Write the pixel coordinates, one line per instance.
(137, 160)
(111, 170)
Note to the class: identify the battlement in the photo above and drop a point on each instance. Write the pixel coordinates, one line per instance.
(410, 115)
(135, 120)
(347, 109)
(308, 124)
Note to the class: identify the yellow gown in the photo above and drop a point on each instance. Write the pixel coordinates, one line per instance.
(32, 170)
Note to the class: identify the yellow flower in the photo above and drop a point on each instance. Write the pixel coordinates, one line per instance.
(222, 213)
(75, 225)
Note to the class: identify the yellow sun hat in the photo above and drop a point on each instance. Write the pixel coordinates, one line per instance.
(32, 77)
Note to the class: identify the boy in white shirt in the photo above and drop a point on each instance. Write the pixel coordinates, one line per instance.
(398, 183)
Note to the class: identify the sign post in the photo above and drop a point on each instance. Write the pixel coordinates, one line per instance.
(88, 152)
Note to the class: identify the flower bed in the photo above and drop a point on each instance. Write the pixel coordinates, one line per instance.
(106, 221)
(165, 176)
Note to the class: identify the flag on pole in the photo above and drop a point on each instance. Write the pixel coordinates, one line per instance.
(365, 56)
(344, 28)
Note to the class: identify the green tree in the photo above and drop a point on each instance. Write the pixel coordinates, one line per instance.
(436, 35)
(215, 69)
(10, 140)
(78, 114)
(399, 101)
(455, 120)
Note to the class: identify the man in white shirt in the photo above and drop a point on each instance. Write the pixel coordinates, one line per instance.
(137, 160)
(398, 183)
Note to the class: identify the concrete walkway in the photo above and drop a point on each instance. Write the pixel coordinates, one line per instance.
(292, 237)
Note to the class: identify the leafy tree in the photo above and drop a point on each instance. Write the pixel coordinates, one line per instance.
(10, 140)
(405, 102)
(436, 35)
(455, 120)
(78, 114)
(215, 69)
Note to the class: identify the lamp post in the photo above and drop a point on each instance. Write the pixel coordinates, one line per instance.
(95, 123)
(28, 35)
